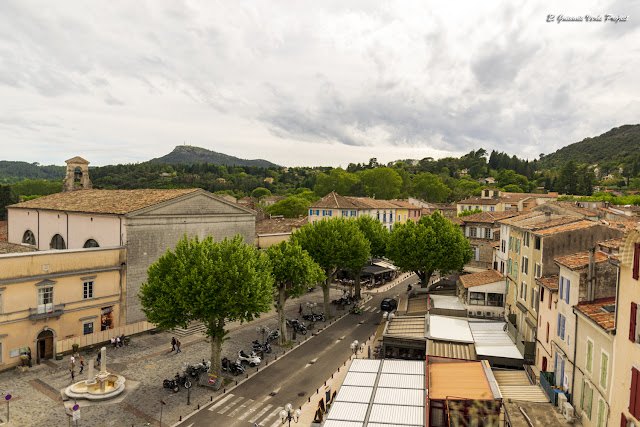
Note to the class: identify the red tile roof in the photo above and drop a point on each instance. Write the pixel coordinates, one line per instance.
(561, 228)
(481, 278)
(612, 243)
(579, 260)
(549, 282)
(489, 217)
(279, 225)
(595, 311)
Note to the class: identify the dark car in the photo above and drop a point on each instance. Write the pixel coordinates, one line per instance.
(388, 304)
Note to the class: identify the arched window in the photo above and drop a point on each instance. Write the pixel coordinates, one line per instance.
(29, 238)
(57, 242)
(91, 244)
(77, 175)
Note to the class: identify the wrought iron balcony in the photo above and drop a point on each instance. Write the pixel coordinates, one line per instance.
(45, 311)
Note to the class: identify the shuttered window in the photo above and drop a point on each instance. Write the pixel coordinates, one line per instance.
(632, 324)
(623, 420)
(589, 356)
(604, 366)
(636, 262)
(589, 402)
(634, 393)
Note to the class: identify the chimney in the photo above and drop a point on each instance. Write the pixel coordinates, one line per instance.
(547, 216)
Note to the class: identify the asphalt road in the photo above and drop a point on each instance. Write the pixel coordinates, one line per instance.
(295, 376)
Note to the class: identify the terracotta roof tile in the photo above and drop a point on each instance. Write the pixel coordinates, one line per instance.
(549, 282)
(279, 225)
(10, 248)
(480, 201)
(490, 217)
(595, 311)
(404, 204)
(561, 228)
(335, 201)
(273, 198)
(103, 201)
(481, 278)
(612, 243)
(579, 260)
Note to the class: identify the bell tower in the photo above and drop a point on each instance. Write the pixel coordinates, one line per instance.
(77, 175)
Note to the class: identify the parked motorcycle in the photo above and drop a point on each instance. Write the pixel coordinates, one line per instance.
(171, 384)
(183, 380)
(266, 347)
(297, 326)
(273, 335)
(236, 368)
(252, 359)
(314, 317)
(195, 370)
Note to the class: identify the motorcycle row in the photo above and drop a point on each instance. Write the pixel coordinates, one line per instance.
(189, 372)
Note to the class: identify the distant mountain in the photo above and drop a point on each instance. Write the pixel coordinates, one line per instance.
(11, 171)
(189, 154)
(619, 145)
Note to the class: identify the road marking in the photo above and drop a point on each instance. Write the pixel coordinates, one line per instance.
(271, 415)
(276, 423)
(259, 414)
(229, 406)
(378, 312)
(249, 410)
(240, 408)
(221, 401)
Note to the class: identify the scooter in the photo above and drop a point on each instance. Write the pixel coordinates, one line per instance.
(355, 310)
(252, 359)
(266, 347)
(273, 335)
(235, 368)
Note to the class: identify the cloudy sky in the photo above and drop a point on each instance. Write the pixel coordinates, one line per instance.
(309, 82)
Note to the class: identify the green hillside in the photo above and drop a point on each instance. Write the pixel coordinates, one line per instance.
(191, 155)
(619, 145)
(11, 171)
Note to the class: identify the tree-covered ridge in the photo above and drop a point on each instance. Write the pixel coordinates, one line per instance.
(620, 145)
(11, 171)
(190, 155)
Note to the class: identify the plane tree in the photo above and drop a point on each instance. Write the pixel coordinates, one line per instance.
(211, 282)
(377, 235)
(294, 271)
(433, 243)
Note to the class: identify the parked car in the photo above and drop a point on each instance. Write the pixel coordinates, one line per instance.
(388, 304)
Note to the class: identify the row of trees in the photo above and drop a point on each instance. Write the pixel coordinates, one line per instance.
(221, 282)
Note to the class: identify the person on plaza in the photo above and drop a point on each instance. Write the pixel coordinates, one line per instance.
(29, 355)
(300, 309)
(118, 342)
(122, 339)
(113, 342)
(73, 374)
(99, 358)
(173, 343)
(178, 344)
(81, 361)
(73, 362)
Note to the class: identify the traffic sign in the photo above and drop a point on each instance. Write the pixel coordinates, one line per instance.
(76, 416)
(76, 407)
(7, 397)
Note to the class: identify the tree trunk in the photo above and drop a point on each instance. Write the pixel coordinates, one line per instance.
(282, 320)
(358, 283)
(216, 339)
(326, 287)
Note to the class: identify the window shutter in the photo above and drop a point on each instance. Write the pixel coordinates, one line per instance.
(603, 369)
(632, 324)
(623, 420)
(589, 355)
(562, 328)
(634, 404)
(568, 287)
(558, 329)
(590, 402)
(547, 331)
(560, 291)
(636, 262)
(582, 395)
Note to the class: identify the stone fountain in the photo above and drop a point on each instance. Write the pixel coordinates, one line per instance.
(97, 387)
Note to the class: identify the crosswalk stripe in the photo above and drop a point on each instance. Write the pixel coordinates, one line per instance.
(230, 405)
(221, 401)
(259, 414)
(240, 408)
(271, 415)
(276, 423)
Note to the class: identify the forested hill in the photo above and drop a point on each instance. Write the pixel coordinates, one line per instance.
(11, 171)
(191, 155)
(619, 145)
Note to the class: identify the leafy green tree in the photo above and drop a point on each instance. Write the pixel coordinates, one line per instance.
(39, 187)
(7, 197)
(294, 271)
(382, 183)
(512, 188)
(430, 187)
(260, 192)
(377, 235)
(333, 243)
(568, 180)
(211, 282)
(291, 207)
(469, 212)
(337, 180)
(434, 243)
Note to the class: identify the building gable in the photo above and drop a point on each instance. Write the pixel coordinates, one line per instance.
(196, 203)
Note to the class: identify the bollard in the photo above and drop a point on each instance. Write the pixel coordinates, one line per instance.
(181, 417)
(198, 406)
(212, 398)
(223, 392)
(247, 375)
(325, 383)
(309, 399)
(236, 382)
(257, 369)
(331, 376)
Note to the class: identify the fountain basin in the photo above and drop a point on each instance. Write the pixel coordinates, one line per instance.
(92, 389)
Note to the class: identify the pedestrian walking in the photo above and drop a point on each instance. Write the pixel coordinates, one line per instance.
(300, 310)
(29, 355)
(81, 361)
(73, 375)
(73, 362)
(173, 343)
(178, 344)
(99, 359)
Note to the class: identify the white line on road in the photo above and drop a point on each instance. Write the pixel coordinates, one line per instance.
(271, 415)
(240, 408)
(259, 414)
(221, 401)
(229, 406)
(249, 410)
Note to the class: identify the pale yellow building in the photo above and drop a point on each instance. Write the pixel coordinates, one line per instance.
(625, 399)
(52, 299)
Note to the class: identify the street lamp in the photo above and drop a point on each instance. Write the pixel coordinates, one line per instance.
(288, 414)
(355, 348)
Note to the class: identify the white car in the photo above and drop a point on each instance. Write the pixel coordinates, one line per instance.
(253, 359)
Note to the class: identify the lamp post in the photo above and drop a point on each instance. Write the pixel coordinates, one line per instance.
(355, 348)
(288, 414)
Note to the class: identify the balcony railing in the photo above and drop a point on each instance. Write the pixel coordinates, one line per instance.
(45, 311)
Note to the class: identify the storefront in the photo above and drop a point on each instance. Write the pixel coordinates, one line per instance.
(106, 318)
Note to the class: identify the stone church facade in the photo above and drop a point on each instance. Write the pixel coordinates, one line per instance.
(147, 222)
